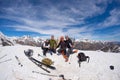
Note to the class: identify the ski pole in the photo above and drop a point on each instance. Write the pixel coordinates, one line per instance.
(3, 56)
(5, 60)
(44, 74)
(19, 63)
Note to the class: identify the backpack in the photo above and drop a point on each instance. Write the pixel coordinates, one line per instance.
(42, 45)
(47, 61)
(82, 57)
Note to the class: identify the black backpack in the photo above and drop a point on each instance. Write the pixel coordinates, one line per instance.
(82, 57)
(42, 45)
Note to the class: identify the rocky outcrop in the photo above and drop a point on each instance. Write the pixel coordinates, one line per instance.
(4, 41)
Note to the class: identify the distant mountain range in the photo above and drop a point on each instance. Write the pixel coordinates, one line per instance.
(25, 40)
(100, 46)
(78, 44)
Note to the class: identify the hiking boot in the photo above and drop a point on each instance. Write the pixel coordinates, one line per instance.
(66, 60)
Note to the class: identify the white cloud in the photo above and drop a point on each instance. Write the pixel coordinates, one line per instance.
(38, 30)
(112, 20)
(53, 18)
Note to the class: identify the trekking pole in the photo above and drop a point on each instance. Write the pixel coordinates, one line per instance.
(3, 56)
(5, 61)
(44, 74)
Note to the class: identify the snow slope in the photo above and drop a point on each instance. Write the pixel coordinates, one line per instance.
(96, 69)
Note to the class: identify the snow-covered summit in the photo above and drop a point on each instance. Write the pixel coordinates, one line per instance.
(98, 67)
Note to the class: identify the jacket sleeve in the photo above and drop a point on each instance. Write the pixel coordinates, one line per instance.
(70, 43)
(55, 43)
(58, 45)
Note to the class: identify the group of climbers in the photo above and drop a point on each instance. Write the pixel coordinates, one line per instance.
(65, 46)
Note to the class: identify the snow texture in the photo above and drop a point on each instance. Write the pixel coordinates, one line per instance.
(97, 69)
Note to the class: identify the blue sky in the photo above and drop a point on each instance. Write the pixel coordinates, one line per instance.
(83, 19)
